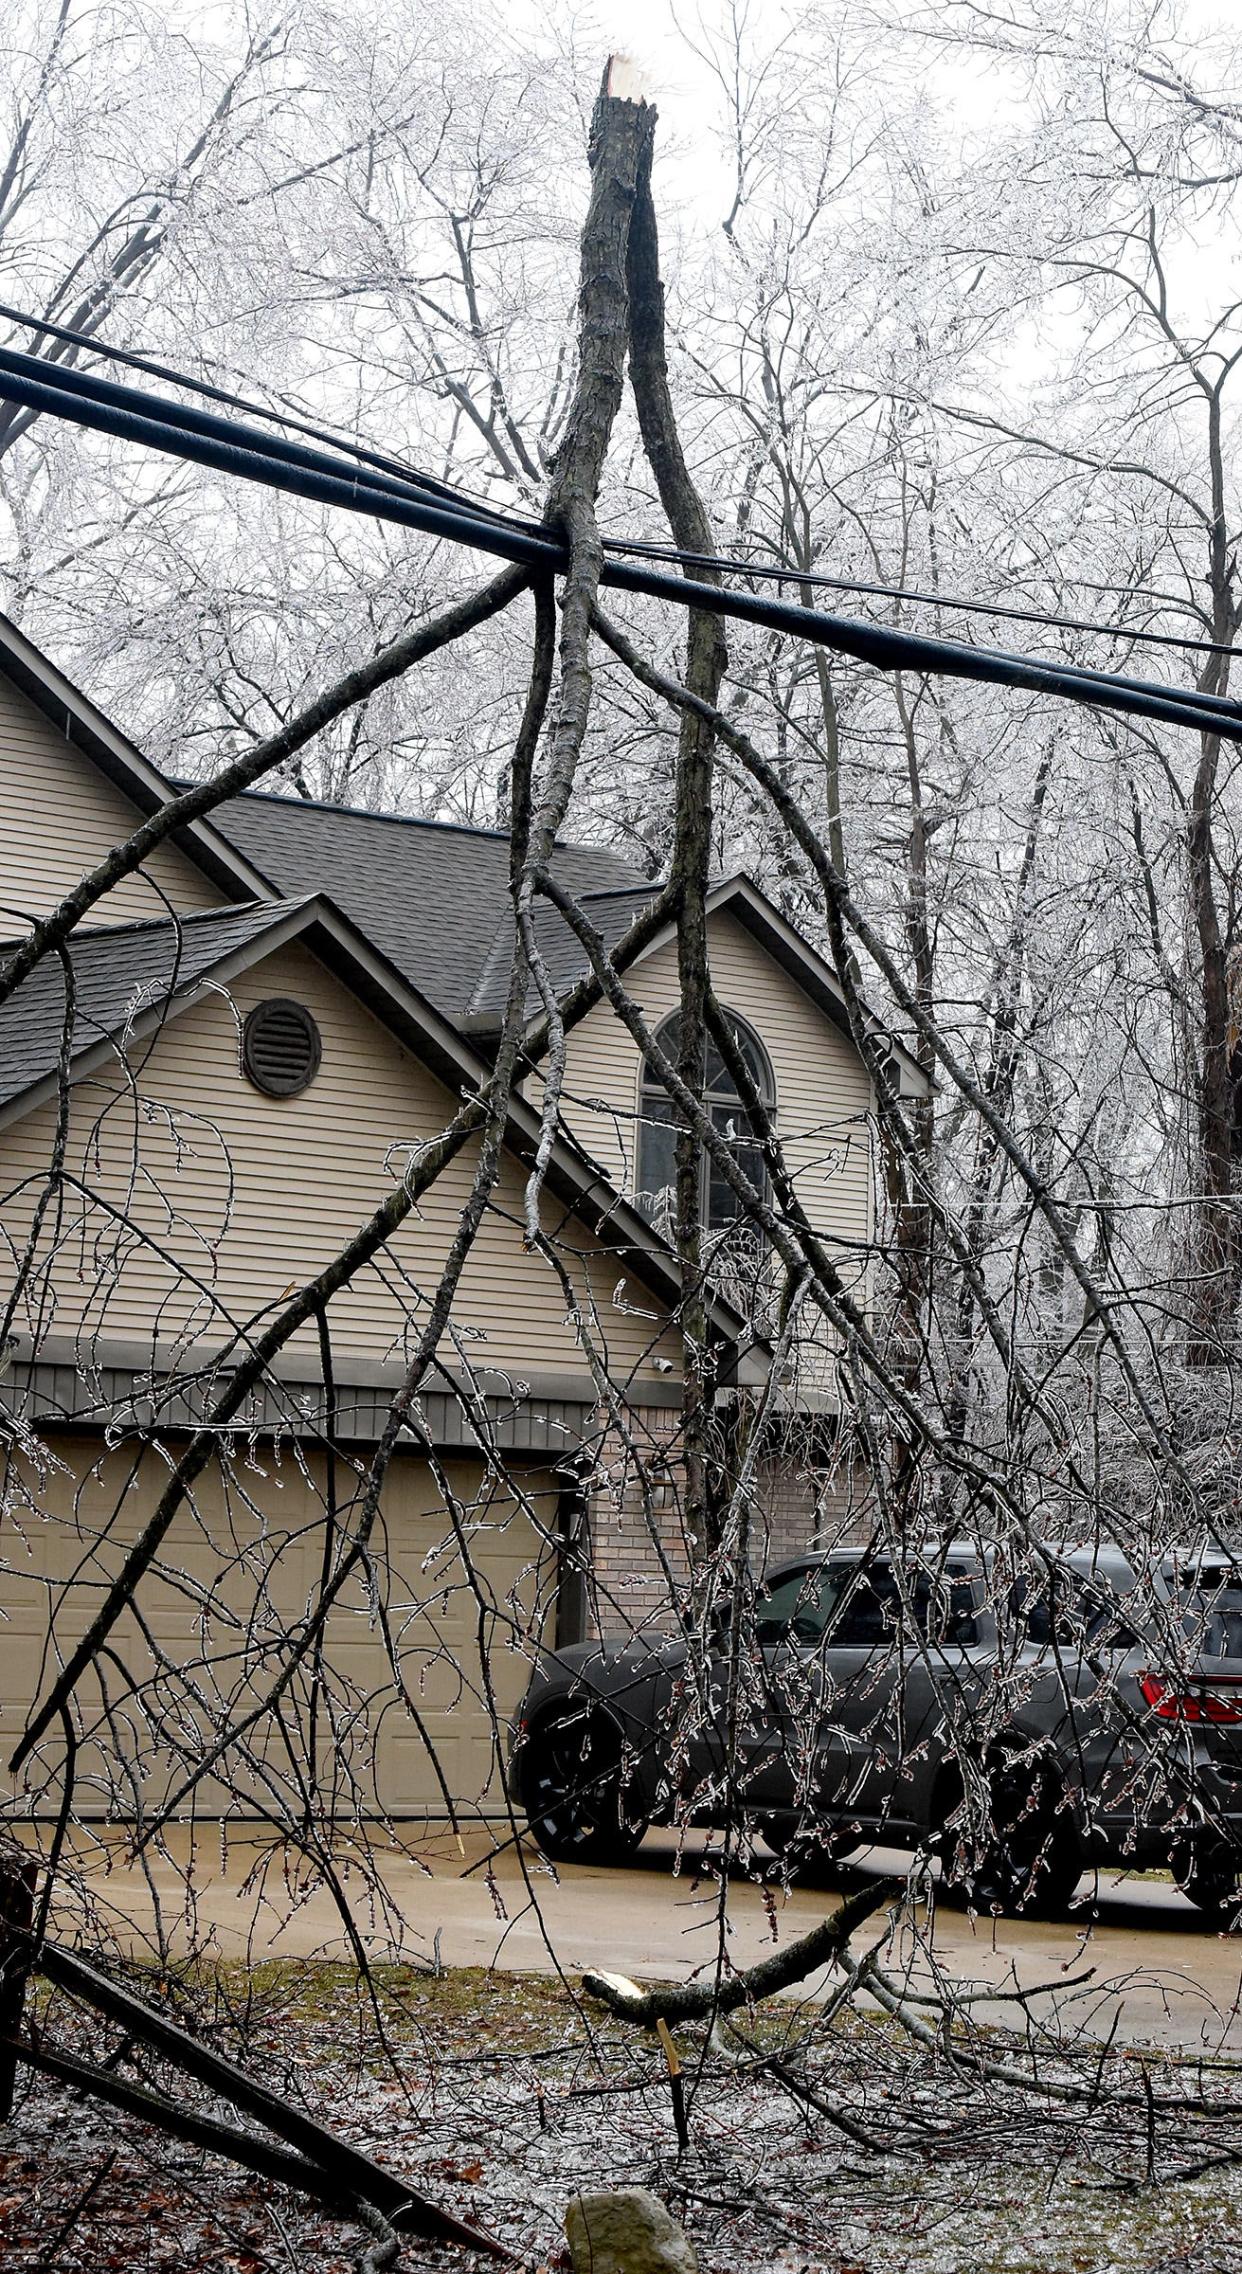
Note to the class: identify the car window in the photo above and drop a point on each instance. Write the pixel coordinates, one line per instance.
(871, 1611)
(1072, 1609)
(1213, 1621)
(859, 1607)
(951, 1615)
(943, 1608)
(798, 1606)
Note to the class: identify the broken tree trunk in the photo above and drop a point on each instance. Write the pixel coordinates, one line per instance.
(706, 658)
(619, 130)
(700, 2001)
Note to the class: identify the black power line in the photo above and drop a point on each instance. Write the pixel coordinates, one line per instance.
(233, 448)
(135, 361)
(770, 572)
(632, 547)
(66, 380)
(950, 659)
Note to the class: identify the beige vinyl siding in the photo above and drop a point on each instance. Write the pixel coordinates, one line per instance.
(250, 1195)
(823, 1092)
(59, 815)
(234, 1578)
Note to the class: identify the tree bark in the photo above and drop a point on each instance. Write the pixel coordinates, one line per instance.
(694, 2001)
(706, 658)
(17, 1884)
(619, 132)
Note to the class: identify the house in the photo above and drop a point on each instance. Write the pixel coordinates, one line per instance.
(246, 1046)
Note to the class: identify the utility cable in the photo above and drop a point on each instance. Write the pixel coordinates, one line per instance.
(629, 547)
(238, 450)
(916, 652)
(769, 572)
(230, 447)
(136, 361)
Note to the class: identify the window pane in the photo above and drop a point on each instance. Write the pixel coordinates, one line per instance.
(723, 1205)
(946, 1612)
(715, 1077)
(1223, 1635)
(658, 1140)
(941, 1610)
(1068, 1610)
(657, 1152)
(858, 1607)
(1212, 1619)
(719, 1081)
(798, 1607)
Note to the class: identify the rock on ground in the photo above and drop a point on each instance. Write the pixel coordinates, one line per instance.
(626, 2232)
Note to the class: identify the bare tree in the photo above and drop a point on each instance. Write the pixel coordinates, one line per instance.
(1008, 1349)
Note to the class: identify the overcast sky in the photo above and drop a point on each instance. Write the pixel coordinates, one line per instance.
(685, 92)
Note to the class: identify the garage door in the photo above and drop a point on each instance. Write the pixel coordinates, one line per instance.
(401, 1710)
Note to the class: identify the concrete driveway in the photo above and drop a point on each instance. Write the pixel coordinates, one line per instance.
(1159, 1973)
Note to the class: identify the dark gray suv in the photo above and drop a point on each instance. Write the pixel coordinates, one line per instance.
(1023, 1724)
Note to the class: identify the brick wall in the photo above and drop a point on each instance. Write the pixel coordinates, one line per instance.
(639, 1551)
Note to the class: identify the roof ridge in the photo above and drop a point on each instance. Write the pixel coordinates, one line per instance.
(174, 923)
(405, 820)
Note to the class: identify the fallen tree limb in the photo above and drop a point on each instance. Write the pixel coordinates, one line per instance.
(199, 2130)
(619, 131)
(691, 2001)
(690, 865)
(323, 2163)
(405, 2214)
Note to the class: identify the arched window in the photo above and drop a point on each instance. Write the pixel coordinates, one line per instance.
(657, 1137)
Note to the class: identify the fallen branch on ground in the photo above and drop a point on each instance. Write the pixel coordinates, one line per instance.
(691, 2001)
(314, 2159)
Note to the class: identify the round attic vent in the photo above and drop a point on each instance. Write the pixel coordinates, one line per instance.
(281, 1049)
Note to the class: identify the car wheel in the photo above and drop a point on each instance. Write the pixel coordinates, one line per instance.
(571, 1788)
(1210, 1873)
(1031, 1859)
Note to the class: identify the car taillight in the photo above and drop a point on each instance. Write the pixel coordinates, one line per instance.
(1215, 1700)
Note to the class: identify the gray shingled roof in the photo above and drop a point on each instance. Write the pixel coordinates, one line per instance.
(432, 896)
(119, 970)
(565, 960)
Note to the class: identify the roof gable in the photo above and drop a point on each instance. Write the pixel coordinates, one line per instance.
(612, 912)
(130, 979)
(85, 729)
(124, 977)
(433, 896)
(787, 946)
